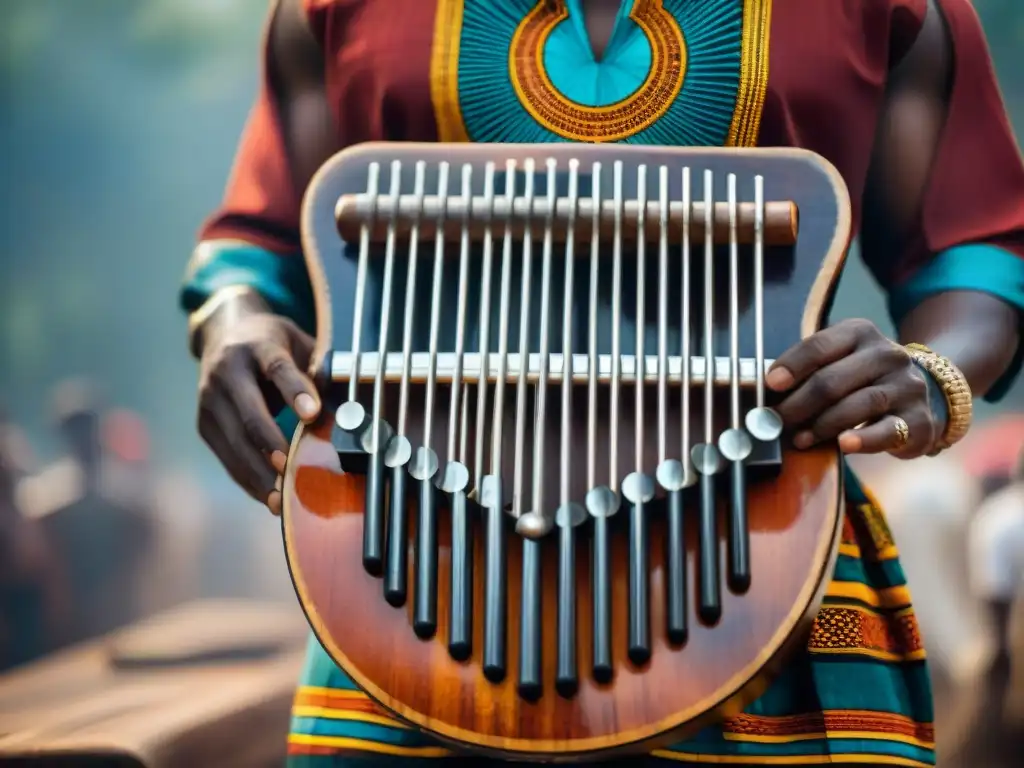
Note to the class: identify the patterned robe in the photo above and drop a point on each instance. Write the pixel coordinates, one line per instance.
(800, 73)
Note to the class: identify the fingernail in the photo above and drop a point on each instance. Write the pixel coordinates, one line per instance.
(850, 442)
(803, 440)
(778, 379)
(306, 406)
(278, 461)
(274, 502)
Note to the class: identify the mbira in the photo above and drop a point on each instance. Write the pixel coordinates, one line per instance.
(548, 513)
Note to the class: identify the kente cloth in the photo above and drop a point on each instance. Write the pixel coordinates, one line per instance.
(790, 73)
(858, 693)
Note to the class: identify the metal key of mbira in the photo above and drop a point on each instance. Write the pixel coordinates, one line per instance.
(549, 480)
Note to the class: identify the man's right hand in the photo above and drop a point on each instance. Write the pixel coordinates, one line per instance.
(247, 355)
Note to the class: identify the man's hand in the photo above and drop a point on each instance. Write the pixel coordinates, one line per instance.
(851, 375)
(246, 356)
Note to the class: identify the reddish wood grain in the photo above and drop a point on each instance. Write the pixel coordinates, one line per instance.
(793, 525)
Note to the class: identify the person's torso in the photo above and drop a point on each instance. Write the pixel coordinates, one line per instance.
(801, 73)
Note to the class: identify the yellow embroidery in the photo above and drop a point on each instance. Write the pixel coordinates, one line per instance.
(628, 117)
(746, 118)
(852, 629)
(830, 759)
(444, 72)
(342, 744)
(613, 122)
(887, 597)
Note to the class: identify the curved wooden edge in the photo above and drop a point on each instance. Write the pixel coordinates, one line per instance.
(832, 265)
(314, 268)
(742, 689)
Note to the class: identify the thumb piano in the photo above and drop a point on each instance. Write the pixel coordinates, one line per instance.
(549, 513)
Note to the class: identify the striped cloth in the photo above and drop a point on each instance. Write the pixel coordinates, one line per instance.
(859, 694)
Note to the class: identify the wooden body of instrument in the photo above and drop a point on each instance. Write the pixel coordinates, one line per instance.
(494, 599)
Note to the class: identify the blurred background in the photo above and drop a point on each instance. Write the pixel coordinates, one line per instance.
(118, 123)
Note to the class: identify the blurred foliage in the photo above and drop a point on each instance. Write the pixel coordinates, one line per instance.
(170, 35)
(178, 27)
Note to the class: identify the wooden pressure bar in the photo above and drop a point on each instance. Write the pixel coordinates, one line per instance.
(351, 211)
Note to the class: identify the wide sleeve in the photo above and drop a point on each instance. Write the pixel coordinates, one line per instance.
(252, 239)
(972, 223)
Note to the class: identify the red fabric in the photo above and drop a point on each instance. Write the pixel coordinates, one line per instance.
(378, 84)
(976, 191)
(260, 204)
(828, 67)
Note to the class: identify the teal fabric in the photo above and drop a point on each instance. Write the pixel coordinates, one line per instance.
(700, 115)
(570, 63)
(973, 267)
(281, 279)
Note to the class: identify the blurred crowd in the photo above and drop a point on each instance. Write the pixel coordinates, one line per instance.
(98, 539)
(958, 522)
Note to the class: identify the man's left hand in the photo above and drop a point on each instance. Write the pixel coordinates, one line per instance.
(852, 383)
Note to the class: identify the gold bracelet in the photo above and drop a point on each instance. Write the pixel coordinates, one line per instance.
(956, 390)
(217, 299)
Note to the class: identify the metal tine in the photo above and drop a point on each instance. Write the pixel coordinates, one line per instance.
(638, 487)
(399, 450)
(424, 465)
(616, 377)
(641, 315)
(604, 501)
(706, 458)
(379, 431)
(538, 522)
(351, 416)
(455, 478)
(519, 446)
(734, 443)
(686, 329)
(676, 475)
(464, 426)
(492, 494)
(569, 514)
(663, 214)
(485, 329)
(601, 502)
(534, 524)
(763, 423)
(592, 356)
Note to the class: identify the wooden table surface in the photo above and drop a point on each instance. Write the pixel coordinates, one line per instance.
(207, 684)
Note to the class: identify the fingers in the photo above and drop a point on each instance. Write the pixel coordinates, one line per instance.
(828, 386)
(863, 405)
(220, 426)
(275, 499)
(301, 344)
(235, 419)
(255, 417)
(278, 459)
(876, 407)
(823, 348)
(279, 367)
(906, 436)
